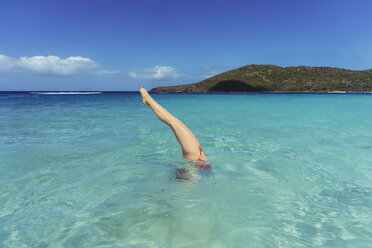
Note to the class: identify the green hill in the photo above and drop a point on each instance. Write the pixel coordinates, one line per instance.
(261, 78)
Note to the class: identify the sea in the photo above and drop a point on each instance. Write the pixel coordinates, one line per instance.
(97, 169)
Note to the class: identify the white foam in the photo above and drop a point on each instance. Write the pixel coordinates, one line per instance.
(68, 93)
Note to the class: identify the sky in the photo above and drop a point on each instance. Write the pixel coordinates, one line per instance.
(120, 45)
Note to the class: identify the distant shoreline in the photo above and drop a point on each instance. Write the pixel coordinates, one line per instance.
(272, 78)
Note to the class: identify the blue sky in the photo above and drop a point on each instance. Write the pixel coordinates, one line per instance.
(122, 44)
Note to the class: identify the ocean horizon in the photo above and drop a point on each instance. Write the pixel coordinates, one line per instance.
(93, 92)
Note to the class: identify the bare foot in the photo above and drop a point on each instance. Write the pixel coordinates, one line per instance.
(144, 96)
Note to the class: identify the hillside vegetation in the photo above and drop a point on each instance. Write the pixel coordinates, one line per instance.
(261, 78)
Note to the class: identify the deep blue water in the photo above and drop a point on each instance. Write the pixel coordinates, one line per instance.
(288, 170)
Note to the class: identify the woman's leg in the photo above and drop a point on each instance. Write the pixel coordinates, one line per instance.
(189, 144)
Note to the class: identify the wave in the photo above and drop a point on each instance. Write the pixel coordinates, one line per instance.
(67, 93)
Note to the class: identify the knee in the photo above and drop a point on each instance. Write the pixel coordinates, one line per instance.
(172, 123)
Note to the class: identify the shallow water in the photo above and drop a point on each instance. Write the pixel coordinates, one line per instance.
(288, 170)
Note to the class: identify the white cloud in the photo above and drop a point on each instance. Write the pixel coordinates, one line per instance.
(6, 63)
(208, 72)
(53, 65)
(107, 72)
(157, 73)
(133, 74)
(48, 65)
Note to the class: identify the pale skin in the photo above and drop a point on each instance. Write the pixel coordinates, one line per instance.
(189, 144)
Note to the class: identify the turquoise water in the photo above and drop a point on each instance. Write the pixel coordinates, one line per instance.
(288, 170)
